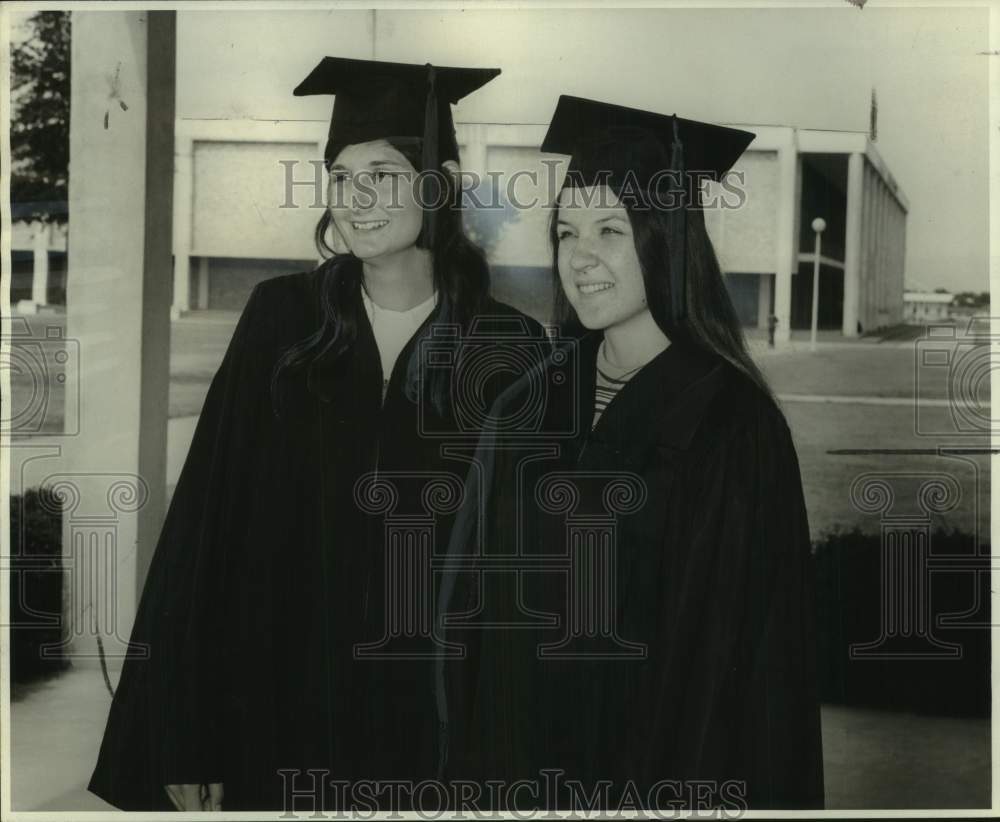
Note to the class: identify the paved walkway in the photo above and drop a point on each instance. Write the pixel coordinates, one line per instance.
(56, 732)
(930, 402)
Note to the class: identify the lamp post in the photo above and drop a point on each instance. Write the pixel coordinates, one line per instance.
(819, 226)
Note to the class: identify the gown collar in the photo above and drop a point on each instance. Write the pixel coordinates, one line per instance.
(355, 380)
(662, 404)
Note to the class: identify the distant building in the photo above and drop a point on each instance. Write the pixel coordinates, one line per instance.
(38, 266)
(238, 221)
(767, 248)
(233, 226)
(927, 306)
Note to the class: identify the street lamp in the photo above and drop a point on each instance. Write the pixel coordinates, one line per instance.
(819, 226)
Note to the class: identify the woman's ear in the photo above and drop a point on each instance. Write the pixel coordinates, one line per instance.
(337, 241)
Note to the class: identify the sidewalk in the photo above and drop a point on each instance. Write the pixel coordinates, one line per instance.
(55, 735)
(900, 336)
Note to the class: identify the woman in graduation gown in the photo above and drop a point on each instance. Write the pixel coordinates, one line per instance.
(274, 660)
(656, 646)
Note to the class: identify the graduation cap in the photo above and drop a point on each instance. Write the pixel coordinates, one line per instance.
(375, 100)
(627, 148)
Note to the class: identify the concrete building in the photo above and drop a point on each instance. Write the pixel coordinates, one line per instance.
(238, 126)
(38, 266)
(927, 306)
(224, 244)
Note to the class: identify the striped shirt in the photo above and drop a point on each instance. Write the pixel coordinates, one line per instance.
(610, 380)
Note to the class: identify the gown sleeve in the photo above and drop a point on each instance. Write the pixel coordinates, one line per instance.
(165, 725)
(482, 697)
(740, 681)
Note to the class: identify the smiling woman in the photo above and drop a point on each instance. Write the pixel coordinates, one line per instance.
(676, 663)
(601, 276)
(285, 627)
(373, 200)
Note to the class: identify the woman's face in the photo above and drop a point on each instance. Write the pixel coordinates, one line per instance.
(373, 200)
(598, 265)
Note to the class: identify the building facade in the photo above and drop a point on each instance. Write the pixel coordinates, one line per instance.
(248, 195)
(927, 306)
(38, 266)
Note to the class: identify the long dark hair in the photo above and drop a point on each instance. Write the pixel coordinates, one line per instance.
(711, 324)
(461, 278)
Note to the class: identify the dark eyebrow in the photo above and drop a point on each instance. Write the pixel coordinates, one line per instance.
(372, 164)
(561, 221)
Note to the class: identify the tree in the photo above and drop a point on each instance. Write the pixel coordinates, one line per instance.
(971, 299)
(39, 129)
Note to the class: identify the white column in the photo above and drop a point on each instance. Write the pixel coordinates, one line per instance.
(786, 262)
(40, 273)
(203, 276)
(763, 299)
(118, 312)
(885, 267)
(852, 243)
(901, 252)
(183, 205)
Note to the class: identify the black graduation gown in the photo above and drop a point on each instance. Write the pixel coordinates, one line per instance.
(270, 568)
(711, 673)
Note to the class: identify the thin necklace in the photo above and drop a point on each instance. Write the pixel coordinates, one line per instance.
(604, 356)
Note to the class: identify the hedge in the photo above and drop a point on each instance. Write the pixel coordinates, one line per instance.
(36, 586)
(850, 601)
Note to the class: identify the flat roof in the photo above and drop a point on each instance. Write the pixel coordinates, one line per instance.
(927, 297)
(825, 141)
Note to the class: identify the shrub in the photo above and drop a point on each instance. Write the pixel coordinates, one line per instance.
(36, 585)
(850, 603)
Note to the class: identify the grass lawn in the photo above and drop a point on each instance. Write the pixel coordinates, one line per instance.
(844, 371)
(827, 478)
(198, 344)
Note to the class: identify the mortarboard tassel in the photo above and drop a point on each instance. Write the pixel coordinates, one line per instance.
(678, 233)
(430, 195)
